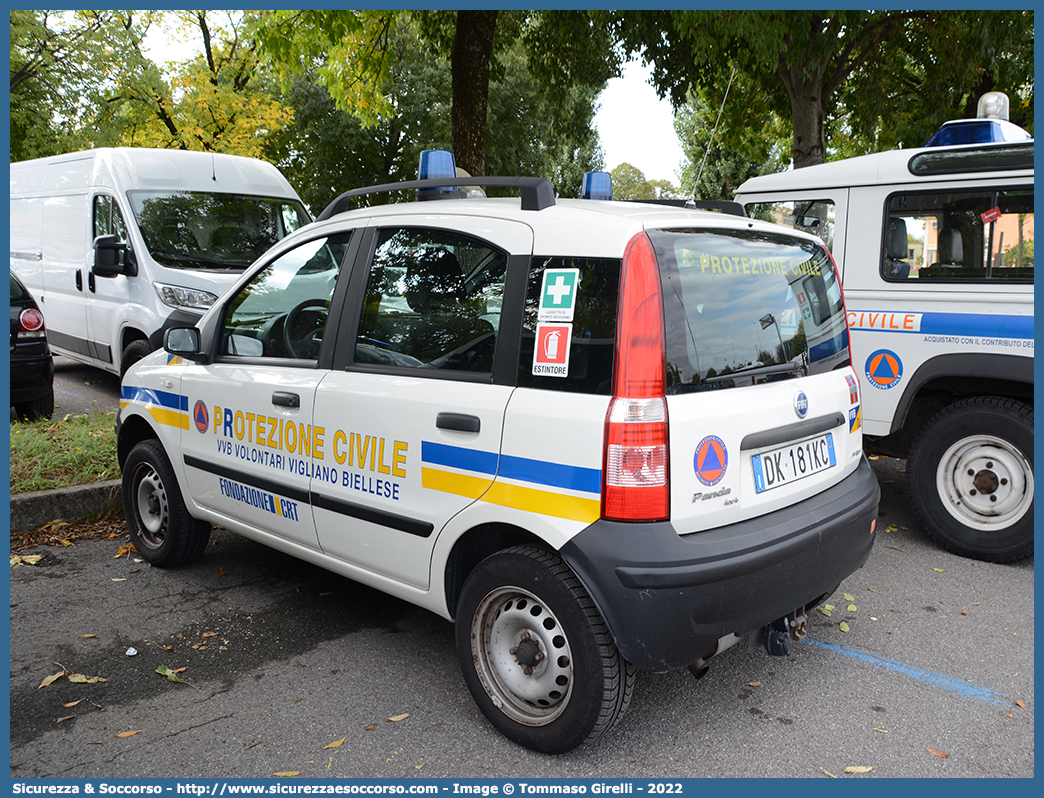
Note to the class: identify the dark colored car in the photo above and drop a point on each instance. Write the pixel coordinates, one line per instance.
(32, 369)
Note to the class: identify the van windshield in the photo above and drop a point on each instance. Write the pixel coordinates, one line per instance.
(744, 307)
(201, 230)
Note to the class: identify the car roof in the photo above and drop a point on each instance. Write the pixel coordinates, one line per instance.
(592, 228)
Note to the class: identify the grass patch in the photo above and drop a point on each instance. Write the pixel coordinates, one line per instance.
(57, 454)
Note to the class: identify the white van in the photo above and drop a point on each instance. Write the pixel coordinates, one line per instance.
(935, 248)
(119, 244)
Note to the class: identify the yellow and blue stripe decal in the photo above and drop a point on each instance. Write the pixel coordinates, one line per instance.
(169, 409)
(536, 486)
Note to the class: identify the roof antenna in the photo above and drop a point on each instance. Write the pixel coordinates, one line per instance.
(714, 132)
(213, 168)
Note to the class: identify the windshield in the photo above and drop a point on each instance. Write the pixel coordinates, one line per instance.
(198, 230)
(746, 307)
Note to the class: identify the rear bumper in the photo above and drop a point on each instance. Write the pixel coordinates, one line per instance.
(668, 598)
(31, 378)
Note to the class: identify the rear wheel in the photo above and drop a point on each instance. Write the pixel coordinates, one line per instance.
(970, 478)
(536, 654)
(159, 524)
(42, 407)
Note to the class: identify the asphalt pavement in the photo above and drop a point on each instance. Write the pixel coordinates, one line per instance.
(291, 669)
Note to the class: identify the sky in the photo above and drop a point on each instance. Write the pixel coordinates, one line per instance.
(634, 125)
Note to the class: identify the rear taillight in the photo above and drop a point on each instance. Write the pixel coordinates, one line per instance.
(31, 324)
(636, 461)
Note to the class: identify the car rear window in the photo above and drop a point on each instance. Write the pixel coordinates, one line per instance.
(742, 307)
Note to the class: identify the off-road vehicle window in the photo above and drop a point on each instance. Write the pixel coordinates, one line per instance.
(959, 236)
(808, 216)
(744, 307)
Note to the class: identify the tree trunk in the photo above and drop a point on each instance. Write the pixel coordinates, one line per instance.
(807, 106)
(472, 50)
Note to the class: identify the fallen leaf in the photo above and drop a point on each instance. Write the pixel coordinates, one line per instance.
(397, 718)
(883, 731)
(939, 570)
(71, 704)
(418, 767)
(853, 608)
(892, 528)
(843, 626)
(752, 684)
(172, 675)
(129, 733)
(287, 773)
(831, 775)
(67, 717)
(221, 571)
(123, 551)
(895, 547)
(940, 754)
(209, 634)
(1019, 703)
(858, 769)
(51, 679)
(79, 678)
(964, 612)
(848, 597)
(257, 742)
(824, 610)
(371, 727)
(335, 743)
(85, 637)
(114, 579)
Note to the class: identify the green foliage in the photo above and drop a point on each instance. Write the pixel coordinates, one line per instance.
(629, 183)
(65, 66)
(325, 150)
(843, 82)
(722, 150)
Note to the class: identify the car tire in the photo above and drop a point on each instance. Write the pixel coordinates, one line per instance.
(160, 526)
(42, 407)
(522, 610)
(970, 478)
(132, 353)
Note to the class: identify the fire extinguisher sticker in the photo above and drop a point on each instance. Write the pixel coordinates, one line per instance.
(551, 353)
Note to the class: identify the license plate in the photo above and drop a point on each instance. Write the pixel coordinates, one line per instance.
(790, 463)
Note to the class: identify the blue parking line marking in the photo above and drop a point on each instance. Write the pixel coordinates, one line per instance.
(940, 680)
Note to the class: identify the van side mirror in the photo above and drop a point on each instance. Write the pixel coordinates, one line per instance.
(112, 257)
(184, 342)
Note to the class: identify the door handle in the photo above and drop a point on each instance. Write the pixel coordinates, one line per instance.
(79, 280)
(458, 421)
(286, 399)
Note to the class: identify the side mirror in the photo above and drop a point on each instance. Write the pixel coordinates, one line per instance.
(113, 257)
(184, 342)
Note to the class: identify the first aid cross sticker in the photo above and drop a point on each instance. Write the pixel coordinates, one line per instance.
(558, 294)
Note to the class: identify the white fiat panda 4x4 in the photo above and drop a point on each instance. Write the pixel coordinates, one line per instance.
(600, 436)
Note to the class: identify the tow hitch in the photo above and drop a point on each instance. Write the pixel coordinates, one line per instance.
(779, 634)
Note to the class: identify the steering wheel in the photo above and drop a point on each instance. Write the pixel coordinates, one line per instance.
(316, 337)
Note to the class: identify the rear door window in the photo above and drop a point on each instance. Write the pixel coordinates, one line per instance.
(569, 325)
(746, 307)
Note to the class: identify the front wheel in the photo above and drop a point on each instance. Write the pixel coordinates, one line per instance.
(535, 653)
(160, 526)
(970, 478)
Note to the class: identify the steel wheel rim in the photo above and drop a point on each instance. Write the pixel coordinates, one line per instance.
(152, 506)
(985, 482)
(510, 628)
